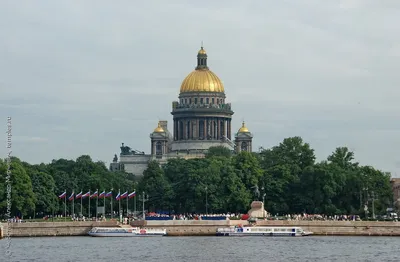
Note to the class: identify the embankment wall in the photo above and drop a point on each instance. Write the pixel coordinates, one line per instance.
(341, 228)
(206, 228)
(337, 228)
(33, 229)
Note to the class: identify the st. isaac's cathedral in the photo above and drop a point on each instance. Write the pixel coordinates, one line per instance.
(201, 119)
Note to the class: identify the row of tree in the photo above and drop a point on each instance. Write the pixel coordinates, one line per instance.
(287, 177)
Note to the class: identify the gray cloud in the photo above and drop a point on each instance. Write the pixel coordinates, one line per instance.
(82, 77)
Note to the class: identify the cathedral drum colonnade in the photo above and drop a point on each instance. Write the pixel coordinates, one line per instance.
(202, 118)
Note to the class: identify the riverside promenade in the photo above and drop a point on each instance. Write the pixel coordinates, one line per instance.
(205, 227)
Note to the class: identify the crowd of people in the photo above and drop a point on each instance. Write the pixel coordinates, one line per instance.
(318, 217)
(190, 216)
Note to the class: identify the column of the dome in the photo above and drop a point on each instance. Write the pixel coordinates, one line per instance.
(190, 128)
(174, 129)
(197, 135)
(217, 128)
(185, 128)
(208, 127)
(225, 128)
(179, 130)
(204, 128)
(229, 129)
(212, 128)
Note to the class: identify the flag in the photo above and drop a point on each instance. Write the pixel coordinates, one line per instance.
(78, 195)
(94, 194)
(86, 194)
(109, 194)
(118, 197)
(63, 195)
(71, 197)
(102, 194)
(124, 195)
(132, 194)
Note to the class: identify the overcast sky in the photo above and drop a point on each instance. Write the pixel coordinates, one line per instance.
(81, 77)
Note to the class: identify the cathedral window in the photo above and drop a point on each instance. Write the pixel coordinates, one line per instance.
(244, 146)
(159, 148)
(212, 100)
(207, 100)
(201, 100)
(195, 100)
(201, 129)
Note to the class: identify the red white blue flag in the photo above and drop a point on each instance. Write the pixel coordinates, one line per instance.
(94, 194)
(63, 195)
(71, 197)
(78, 195)
(86, 195)
(132, 194)
(124, 195)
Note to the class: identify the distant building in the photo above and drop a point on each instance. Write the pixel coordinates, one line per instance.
(201, 119)
(395, 182)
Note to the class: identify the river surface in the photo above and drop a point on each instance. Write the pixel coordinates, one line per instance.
(173, 249)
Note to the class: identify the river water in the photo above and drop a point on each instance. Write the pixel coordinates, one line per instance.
(173, 249)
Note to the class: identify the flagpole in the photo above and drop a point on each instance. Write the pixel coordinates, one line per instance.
(97, 201)
(134, 204)
(111, 206)
(73, 202)
(65, 206)
(81, 203)
(127, 203)
(104, 197)
(89, 206)
(119, 205)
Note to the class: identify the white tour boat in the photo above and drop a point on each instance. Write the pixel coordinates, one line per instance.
(126, 232)
(262, 231)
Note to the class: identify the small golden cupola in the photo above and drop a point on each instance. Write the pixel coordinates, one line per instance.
(159, 129)
(202, 51)
(243, 129)
(202, 79)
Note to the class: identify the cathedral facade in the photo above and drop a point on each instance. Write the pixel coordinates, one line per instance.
(201, 119)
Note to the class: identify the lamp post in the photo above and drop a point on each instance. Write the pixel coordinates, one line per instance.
(144, 199)
(206, 200)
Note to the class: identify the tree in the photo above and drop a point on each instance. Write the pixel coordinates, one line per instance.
(22, 196)
(343, 158)
(156, 186)
(221, 151)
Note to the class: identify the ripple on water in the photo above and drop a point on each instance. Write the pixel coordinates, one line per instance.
(204, 249)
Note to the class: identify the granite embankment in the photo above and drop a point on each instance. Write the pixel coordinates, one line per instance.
(38, 229)
(205, 227)
(322, 228)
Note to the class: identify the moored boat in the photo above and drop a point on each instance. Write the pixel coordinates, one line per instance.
(126, 232)
(263, 231)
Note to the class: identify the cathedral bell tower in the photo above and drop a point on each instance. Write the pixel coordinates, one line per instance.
(243, 139)
(159, 142)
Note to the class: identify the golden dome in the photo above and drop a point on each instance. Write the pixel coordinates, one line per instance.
(159, 129)
(202, 81)
(243, 129)
(202, 51)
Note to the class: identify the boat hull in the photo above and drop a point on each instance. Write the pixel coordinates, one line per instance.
(126, 232)
(258, 235)
(262, 232)
(124, 235)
